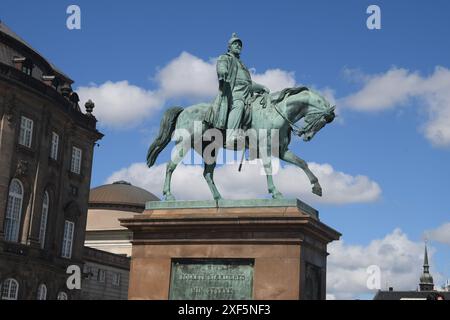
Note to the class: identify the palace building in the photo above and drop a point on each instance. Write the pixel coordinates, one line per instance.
(46, 151)
(108, 244)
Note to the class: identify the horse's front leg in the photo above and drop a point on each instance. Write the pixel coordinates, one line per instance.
(290, 157)
(267, 162)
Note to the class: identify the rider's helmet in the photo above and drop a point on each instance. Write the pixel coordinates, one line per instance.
(234, 37)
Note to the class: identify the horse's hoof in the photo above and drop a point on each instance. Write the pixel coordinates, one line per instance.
(217, 198)
(317, 190)
(169, 197)
(277, 195)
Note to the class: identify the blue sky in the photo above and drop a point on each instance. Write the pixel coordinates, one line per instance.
(389, 86)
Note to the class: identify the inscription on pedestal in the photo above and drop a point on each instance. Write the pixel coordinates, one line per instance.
(211, 279)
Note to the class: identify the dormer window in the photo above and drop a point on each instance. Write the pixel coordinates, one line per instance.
(23, 64)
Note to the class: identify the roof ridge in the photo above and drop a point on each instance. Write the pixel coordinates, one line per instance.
(9, 32)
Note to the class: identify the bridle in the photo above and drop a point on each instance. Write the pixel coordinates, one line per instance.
(296, 129)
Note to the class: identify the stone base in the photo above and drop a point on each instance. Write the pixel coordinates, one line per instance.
(283, 240)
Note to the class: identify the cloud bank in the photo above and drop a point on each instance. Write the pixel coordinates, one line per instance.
(187, 77)
(440, 234)
(397, 88)
(400, 261)
(338, 187)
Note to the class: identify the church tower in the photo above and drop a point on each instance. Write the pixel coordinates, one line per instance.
(426, 280)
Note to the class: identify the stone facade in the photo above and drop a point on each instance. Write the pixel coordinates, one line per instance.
(43, 95)
(105, 276)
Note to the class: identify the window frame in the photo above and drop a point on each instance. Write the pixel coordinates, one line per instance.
(75, 163)
(13, 214)
(54, 146)
(116, 279)
(42, 292)
(67, 243)
(44, 219)
(9, 281)
(62, 294)
(101, 275)
(26, 132)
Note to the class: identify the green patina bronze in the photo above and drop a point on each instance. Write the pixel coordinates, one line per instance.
(242, 104)
(236, 90)
(247, 203)
(211, 279)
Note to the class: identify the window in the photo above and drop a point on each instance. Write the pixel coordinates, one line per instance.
(26, 132)
(27, 69)
(13, 211)
(67, 240)
(75, 165)
(73, 190)
(62, 296)
(54, 148)
(23, 64)
(101, 275)
(44, 215)
(116, 279)
(10, 289)
(93, 274)
(42, 292)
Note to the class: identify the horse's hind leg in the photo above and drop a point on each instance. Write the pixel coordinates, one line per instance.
(290, 157)
(208, 174)
(171, 166)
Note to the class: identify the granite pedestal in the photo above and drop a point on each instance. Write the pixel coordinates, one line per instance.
(232, 249)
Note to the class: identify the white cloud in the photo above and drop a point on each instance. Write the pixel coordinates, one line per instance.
(440, 234)
(399, 259)
(384, 91)
(120, 104)
(338, 187)
(188, 77)
(275, 79)
(397, 87)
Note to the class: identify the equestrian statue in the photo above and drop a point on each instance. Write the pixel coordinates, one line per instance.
(243, 116)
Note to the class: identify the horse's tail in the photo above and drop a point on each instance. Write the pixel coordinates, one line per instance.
(166, 129)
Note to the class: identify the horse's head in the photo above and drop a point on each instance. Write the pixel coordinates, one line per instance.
(319, 113)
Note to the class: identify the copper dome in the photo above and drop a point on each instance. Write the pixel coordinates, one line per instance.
(120, 195)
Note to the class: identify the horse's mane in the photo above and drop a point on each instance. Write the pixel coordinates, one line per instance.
(315, 110)
(283, 94)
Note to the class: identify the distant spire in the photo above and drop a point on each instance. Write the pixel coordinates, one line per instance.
(426, 280)
(425, 259)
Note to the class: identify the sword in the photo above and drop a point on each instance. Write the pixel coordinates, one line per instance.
(242, 160)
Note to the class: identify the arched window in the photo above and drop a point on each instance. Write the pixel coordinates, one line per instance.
(62, 296)
(13, 211)
(44, 216)
(42, 292)
(10, 289)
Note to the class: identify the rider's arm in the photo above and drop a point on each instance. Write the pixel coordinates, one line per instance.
(259, 88)
(222, 68)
